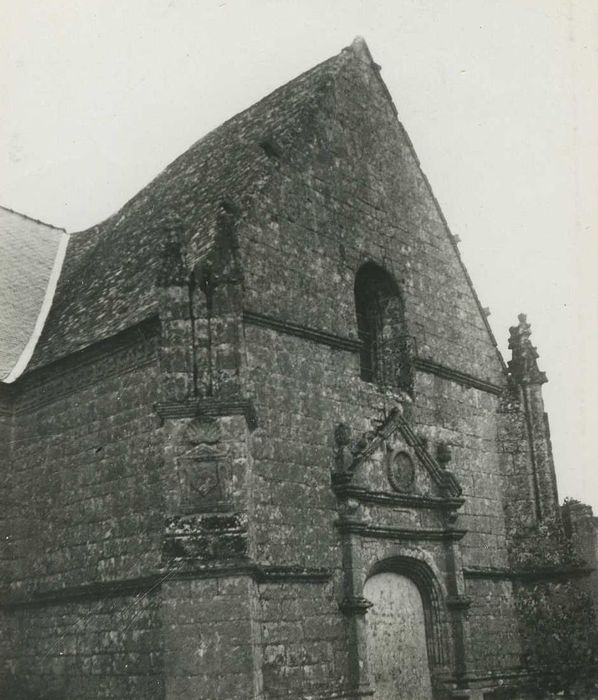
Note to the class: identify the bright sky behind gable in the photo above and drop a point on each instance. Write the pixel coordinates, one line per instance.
(499, 98)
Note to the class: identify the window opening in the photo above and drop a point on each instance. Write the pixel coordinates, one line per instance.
(385, 348)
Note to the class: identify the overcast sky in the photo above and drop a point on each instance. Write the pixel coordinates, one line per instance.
(500, 100)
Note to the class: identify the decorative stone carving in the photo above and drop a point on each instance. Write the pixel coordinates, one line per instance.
(206, 537)
(200, 432)
(200, 468)
(173, 270)
(523, 367)
(343, 456)
(349, 455)
(200, 480)
(443, 454)
(355, 605)
(401, 471)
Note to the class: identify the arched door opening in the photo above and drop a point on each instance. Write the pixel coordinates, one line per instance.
(396, 639)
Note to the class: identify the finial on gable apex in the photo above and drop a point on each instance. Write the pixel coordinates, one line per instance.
(360, 48)
(523, 366)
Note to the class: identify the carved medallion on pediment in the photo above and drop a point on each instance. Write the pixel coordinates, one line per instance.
(391, 454)
(401, 471)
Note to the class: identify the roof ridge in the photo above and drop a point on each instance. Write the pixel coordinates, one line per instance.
(31, 218)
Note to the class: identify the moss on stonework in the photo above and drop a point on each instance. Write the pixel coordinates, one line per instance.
(544, 546)
(557, 620)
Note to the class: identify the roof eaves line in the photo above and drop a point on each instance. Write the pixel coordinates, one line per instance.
(27, 352)
(31, 218)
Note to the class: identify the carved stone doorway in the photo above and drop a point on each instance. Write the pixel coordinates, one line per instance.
(396, 639)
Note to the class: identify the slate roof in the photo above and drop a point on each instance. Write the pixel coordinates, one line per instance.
(109, 277)
(31, 255)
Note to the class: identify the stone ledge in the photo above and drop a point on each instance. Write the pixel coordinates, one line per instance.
(343, 490)
(340, 342)
(151, 584)
(357, 527)
(210, 406)
(355, 605)
(540, 574)
(455, 375)
(458, 602)
(337, 342)
(276, 574)
(125, 351)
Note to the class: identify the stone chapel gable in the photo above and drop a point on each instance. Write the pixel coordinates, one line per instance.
(265, 445)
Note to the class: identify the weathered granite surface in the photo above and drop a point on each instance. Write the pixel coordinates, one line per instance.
(198, 479)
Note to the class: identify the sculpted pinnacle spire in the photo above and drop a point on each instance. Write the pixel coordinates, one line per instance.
(523, 366)
(173, 268)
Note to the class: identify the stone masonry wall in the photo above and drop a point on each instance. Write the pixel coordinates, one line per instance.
(85, 480)
(88, 482)
(302, 639)
(5, 431)
(107, 648)
(85, 514)
(208, 638)
(353, 193)
(493, 625)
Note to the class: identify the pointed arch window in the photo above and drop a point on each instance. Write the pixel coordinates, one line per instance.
(386, 349)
